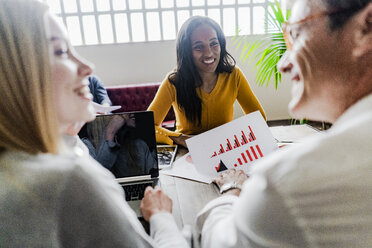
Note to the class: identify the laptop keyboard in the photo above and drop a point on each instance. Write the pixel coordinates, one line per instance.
(135, 192)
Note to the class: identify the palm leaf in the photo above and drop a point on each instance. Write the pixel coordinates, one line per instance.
(267, 51)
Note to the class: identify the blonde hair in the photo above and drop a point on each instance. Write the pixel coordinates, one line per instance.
(27, 111)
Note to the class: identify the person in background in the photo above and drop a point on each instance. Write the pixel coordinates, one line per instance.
(317, 193)
(205, 85)
(52, 195)
(100, 97)
(98, 91)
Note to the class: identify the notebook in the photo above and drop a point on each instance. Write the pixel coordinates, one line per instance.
(125, 144)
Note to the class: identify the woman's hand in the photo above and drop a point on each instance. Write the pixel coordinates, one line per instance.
(155, 201)
(231, 176)
(181, 140)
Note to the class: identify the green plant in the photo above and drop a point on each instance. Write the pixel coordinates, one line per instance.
(268, 50)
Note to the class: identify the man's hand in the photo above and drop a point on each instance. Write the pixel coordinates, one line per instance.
(229, 176)
(155, 201)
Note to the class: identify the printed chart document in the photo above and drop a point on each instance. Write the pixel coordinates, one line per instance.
(237, 144)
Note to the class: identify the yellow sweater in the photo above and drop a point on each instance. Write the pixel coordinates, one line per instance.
(217, 106)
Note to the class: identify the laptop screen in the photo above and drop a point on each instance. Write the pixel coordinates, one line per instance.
(124, 143)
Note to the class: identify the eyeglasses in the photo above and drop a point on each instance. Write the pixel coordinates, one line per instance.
(286, 26)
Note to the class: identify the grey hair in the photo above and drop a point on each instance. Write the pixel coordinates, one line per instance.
(347, 9)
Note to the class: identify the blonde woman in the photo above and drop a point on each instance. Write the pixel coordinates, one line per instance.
(50, 195)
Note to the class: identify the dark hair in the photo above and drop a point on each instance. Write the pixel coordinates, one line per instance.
(348, 8)
(186, 77)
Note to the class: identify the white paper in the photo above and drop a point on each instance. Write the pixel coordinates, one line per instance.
(292, 133)
(237, 144)
(183, 167)
(104, 109)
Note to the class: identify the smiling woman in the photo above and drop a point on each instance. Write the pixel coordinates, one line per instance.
(51, 194)
(69, 74)
(204, 86)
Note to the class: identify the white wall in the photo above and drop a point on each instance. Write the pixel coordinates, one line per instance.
(151, 61)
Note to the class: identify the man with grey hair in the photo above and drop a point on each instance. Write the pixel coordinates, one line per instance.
(319, 193)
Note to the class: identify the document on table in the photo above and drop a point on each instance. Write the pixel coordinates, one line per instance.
(292, 133)
(104, 109)
(237, 144)
(184, 167)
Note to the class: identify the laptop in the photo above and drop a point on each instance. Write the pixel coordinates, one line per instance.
(125, 144)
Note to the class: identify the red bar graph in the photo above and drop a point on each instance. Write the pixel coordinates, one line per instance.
(229, 147)
(249, 155)
(254, 150)
(221, 150)
(254, 153)
(251, 133)
(245, 160)
(244, 139)
(214, 154)
(259, 151)
(236, 143)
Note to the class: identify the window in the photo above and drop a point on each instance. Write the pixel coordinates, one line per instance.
(92, 22)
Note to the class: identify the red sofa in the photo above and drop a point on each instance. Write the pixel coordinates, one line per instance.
(137, 97)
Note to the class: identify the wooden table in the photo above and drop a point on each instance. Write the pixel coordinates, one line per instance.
(189, 197)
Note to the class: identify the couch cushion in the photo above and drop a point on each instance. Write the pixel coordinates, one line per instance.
(135, 97)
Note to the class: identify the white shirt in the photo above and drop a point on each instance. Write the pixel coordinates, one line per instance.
(315, 194)
(69, 200)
